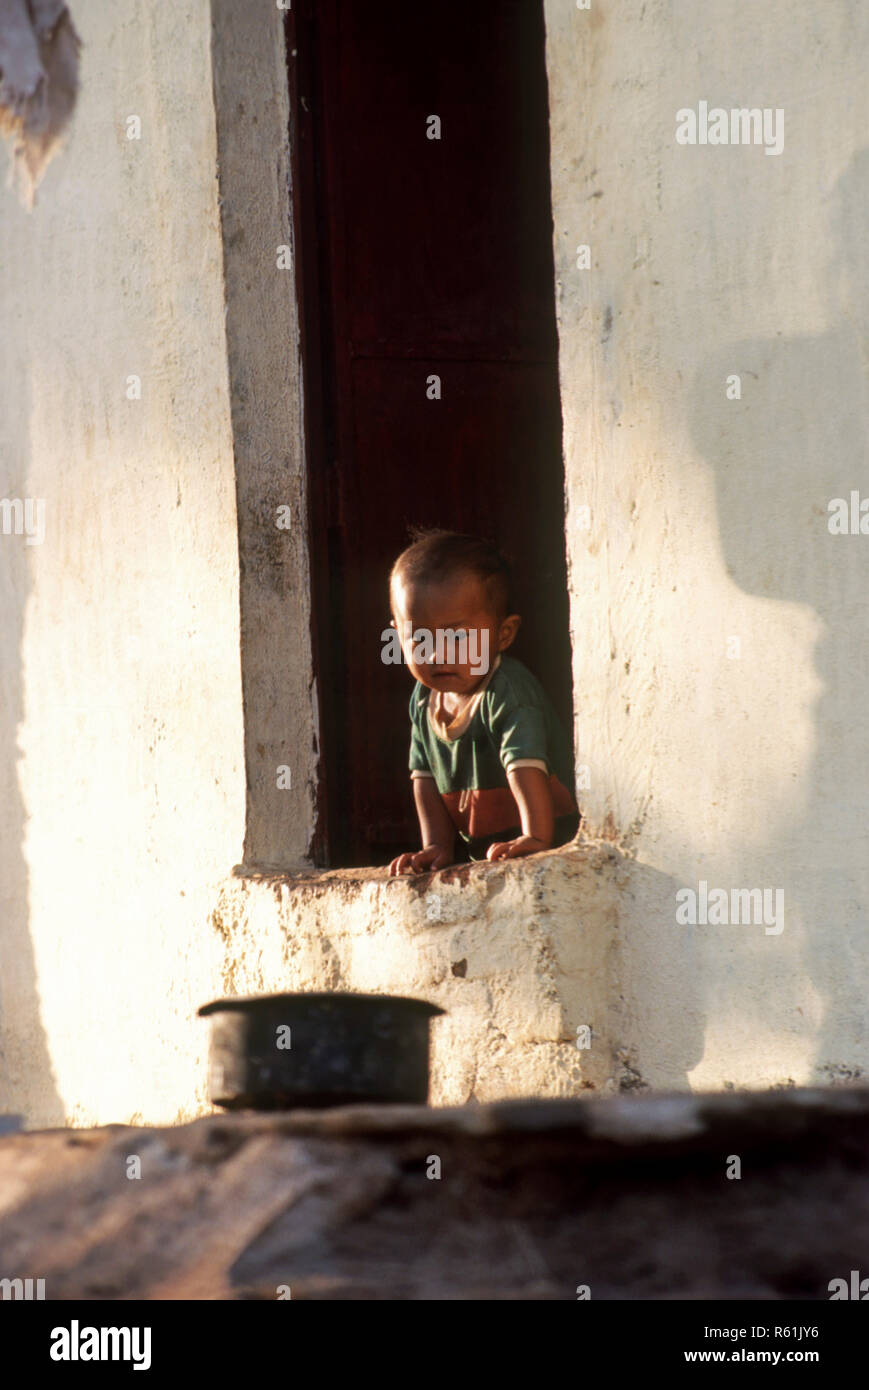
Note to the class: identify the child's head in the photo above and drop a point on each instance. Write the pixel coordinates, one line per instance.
(446, 583)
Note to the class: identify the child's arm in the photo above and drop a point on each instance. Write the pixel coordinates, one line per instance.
(530, 788)
(436, 829)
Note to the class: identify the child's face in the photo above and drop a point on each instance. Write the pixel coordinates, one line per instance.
(449, 631)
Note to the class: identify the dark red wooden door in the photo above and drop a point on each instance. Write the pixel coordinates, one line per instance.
(421, 257)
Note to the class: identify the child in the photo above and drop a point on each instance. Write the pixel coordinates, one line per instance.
(488, 757)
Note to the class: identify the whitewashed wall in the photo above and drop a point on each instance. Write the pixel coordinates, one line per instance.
(720, 630)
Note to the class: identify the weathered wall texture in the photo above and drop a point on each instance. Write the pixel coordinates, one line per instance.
(251, 99)
(743, 763)
(130, 628)
(148, 682)
(518, 956)
(121, 739)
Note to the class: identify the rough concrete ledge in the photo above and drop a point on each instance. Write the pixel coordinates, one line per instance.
(685, 1123)
(595, 850)
(629, 1197)
(519, 955)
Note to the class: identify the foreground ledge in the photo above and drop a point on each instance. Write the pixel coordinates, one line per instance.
(629, 1197)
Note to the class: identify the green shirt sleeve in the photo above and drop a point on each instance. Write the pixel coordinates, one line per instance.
(418, 761)
(519, 731)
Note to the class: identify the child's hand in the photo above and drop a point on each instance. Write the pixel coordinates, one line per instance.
(530, 788)
(515, 849)
(424, 861)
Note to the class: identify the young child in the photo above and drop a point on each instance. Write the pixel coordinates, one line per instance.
(488, 757)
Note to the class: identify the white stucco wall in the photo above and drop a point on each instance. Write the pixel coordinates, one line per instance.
(709, 516)
(121, 714)
(125, 797)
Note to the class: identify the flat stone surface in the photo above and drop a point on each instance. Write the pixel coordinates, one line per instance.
(516, 1200)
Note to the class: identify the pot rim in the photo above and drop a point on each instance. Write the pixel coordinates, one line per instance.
(249, 1003)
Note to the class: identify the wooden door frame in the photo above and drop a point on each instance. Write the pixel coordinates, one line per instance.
(311, 256)
(328, 415)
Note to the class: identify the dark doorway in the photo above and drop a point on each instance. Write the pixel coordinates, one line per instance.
(421, 257)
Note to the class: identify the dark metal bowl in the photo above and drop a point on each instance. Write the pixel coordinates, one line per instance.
(280, 1051)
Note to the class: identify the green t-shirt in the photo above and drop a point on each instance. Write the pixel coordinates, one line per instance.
(513, 722)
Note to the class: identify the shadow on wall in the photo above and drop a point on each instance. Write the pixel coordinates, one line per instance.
(658, 996)
(796, 439)
(27, 1082)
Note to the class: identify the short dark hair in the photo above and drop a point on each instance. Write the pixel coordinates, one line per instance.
(434, 555)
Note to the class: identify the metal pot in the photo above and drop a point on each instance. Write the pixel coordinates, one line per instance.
(280, 1051)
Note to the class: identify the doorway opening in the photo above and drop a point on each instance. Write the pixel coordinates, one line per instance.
(424, 249)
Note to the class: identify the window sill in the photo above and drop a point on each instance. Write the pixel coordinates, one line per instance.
(305, 876)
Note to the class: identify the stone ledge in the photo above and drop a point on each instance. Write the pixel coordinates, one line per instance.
(638, 1124)
(596, 851)
(517, 954)
(530, 1199)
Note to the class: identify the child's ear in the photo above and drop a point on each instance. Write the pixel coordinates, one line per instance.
(508, 630)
